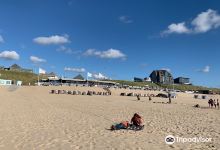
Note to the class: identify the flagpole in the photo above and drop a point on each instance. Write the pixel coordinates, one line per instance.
(87, 79)
(38, 80)
(38, 77)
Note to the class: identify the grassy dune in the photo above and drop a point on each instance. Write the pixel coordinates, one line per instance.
(25, 77)
(31, 78)
(176, 87)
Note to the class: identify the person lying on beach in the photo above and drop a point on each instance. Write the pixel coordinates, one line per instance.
(121, 125)
(136, 124)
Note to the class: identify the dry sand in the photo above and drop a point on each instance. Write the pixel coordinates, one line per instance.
(31, 118)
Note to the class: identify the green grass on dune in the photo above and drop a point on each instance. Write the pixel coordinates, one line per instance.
(188, 87)
(176, 87)
(25, 77)
(32, 78)
(132, 83)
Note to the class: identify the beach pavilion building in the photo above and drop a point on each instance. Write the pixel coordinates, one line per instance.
(76, 82)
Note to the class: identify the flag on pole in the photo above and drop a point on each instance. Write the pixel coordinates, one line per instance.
(42, 71)
(89, 75)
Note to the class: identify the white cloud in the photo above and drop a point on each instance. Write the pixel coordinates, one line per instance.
(125, 19)
(79, 70)
(177, 28)
(67, 50)
(167, 69)
(110, 53)
(206, 69)
(35, 59)
(99, 76)
(204, 22)
(52, 40)
(9, 55)
(1, 39)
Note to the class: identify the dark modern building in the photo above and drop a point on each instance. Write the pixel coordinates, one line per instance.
(162, 77)
(182, 80)
(138, 79)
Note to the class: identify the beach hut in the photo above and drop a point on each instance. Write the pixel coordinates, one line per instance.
(5, 82)
(18, 83)
(173, 95)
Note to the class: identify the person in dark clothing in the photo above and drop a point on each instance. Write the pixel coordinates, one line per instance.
(217, 103)
(169, 96)
(209, 102)
(138, 97)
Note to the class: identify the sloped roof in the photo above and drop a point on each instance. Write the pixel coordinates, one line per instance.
(79, 77)
(15, 66)
(52, 74)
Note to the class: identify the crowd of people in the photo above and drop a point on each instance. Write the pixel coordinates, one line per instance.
(213, 103)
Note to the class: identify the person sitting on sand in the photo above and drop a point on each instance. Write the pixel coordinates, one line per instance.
(122, 125)
(136, 120)
(217, 104)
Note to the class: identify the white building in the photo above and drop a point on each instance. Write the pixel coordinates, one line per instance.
(148, 79)
(5, 82)
(18, 83)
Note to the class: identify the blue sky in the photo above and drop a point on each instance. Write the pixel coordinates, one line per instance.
(112, 38)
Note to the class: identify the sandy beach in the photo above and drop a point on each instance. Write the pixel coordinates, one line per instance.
(31, 118)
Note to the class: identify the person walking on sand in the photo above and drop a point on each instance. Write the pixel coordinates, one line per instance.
(169, 96)
(209, 102)
(138, 97)
(214, 103)
(150, 98)
(217, 104)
